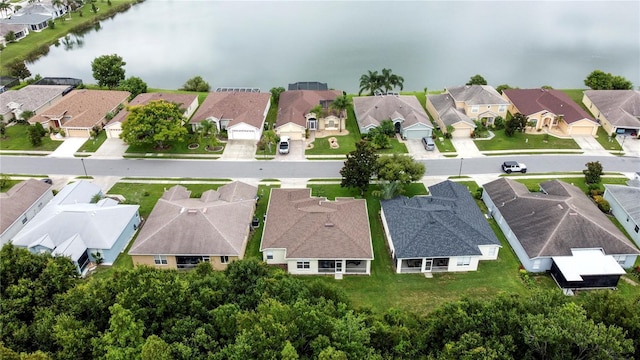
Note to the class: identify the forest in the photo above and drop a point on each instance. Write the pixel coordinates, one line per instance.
(253, 311)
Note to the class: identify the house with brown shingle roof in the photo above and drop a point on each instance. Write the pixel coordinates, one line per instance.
(182, 231)
(311, 235)
(548, 228)
(618, 111)
(20, 204)
(187, 102)
(461, 106)
(241, 114)
(81, 110)
(295, 116)
(408, 116)
(550, 108)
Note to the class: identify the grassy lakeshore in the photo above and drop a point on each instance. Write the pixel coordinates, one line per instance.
(37, 44)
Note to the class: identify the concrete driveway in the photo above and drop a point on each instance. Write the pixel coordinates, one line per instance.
(239, 150)
(296, 151)
(466, 148)
(112, 148)
(68, 147)
(590, 145)
(418, 152)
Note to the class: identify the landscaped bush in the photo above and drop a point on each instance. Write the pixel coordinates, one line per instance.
(603, 204)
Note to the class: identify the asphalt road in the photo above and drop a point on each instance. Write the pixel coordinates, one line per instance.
(291, 169)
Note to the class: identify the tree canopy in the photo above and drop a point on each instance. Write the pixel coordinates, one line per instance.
(599, 80)
(359, 167)
(157, 122)
(385, 81)
(517, 123)
(134, 85)
(399, 168)
(275, 94)
(477, 80)
(108, 70)
(196, 83)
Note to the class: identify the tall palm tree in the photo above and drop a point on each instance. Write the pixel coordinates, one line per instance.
(57, 4)
(269, 137)
(340, 104)
(371, 82)
(391, 81)
(5, 6)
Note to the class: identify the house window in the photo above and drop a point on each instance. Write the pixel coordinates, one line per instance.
(502, 108)
(160, 259)
(205, 259)
(475, 109)
(464, 260)
(269, 256)
(536, 265)
(302, 265)
(224, 259)
(636, 229)
(621, 259)
(24, 220)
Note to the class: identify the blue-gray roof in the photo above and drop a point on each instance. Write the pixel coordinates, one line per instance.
(447, 223)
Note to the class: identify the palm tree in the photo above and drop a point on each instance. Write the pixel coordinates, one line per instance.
(370, 82)
(57, 4)
(207, 127)
(390, 80)
(70, 4)
(269, 137)
(5, 6)
(340, 104)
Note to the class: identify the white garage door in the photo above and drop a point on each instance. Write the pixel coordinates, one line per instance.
(461, 133)
(243, 135)
(581, 130)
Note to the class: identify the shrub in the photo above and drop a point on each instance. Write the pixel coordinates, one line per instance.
(603, 204)
(498, 123)
(478, 194)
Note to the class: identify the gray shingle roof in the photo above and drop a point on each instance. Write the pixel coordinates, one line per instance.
(620, 107)
(628, 197)
(215, 224)
(312, 227)
(30, 97)
(446, 109)
(553, 222)
(447, 223)
(371, 110)
(18, 199)
(27, 19)
(477, 95)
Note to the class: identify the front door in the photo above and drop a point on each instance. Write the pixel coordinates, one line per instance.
(338, 266)
(313, 124)
(427, 265)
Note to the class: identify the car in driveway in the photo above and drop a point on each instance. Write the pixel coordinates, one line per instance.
(513, 166)
(283, 147)
(428, 143)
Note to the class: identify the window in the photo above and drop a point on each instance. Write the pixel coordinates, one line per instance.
(269, 256)
(24, 220)
(224, 259)
(464, 260)
(621, 259)
(160, 259)
(302, 265)
(205, 259)
(536, 264)
(636, 229)
(475, 109)
(502, 108)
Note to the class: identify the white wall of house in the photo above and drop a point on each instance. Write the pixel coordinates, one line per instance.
(629, 224)
(25, 217)
(489, 252)
(278, 256)
(113, 130)
(292, 265)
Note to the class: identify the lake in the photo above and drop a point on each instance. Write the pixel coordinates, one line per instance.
(431, 44)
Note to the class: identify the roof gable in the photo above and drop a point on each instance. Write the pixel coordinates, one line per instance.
(83, 108)
(375, 109)
(293, 105)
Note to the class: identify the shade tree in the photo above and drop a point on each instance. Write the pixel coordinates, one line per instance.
(196, 83)
(477, 80)
(158, 122)
(599, 80)
(359, 168)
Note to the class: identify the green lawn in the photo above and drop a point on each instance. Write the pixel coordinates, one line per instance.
(176, 147)
(91, 145)
(534, 184)
(522, 141)
(606, 141)
(444, 145)
(16, 139)
(396, 148)
(8, 184)
(347, 143)
(253, 246)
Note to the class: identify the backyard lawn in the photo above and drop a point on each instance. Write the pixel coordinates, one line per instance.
(522, 141)
(16, 138)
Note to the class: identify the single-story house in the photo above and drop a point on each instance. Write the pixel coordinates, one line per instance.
(35, 22)
(445, 231)
(188, 102)
(241, 114)
(406, 113)
(295, 116)
(555, 222)
(81, 110)
(35, 98)
(182, 231)
(550, 108)
(42, 8)
(625, 206)
(618, 111)
(72, 224)
(19, 30)
(461, 106)
(21, 204)
(310, 235)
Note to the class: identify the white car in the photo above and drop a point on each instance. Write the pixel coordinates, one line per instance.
(283, 148)
(511, 166)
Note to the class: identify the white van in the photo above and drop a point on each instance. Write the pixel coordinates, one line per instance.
(283, 148)
(428, 143)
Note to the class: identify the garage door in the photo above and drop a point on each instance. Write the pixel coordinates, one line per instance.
(416, 134)
(77, 133)
(243, 135)
(581, 130)
(462, 133)
(291, 134)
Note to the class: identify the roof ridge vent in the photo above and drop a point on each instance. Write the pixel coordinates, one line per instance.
(192, 211)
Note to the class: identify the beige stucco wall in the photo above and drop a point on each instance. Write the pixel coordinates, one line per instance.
(294, 131)
(486, 108)
(339, 123)
(171, 261)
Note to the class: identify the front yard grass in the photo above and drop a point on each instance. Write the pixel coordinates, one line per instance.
(606, 141)
(92, 145)
(522, 141)
(534, 184)
(253, 246)
(176, 147)
(346, 143)
(444, 145)
(396, 148)
(16, 138)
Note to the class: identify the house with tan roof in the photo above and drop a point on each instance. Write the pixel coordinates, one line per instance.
(187, 102)
(295, 116)
(81, 110)
(408, 116)
(618, 111)
(35, 98)
(21, 204)
(182, 231)
(551, 109)
(310, 235)
(442, 232)
(241, 114)
(461, 106)
(20, 31)
(557, 230)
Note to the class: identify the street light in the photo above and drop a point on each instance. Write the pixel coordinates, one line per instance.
(84, 168)
(460, 170)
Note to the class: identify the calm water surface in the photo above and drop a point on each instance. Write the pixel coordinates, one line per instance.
(431, 44)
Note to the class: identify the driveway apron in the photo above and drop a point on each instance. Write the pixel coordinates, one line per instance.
(68, 147)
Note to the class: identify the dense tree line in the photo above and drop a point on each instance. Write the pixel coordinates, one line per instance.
(251, 311)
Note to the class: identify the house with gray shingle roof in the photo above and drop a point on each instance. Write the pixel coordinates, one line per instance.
(549, 108)
(443, 232)
(461, 106)
(310, 235)
(625, 206)
(241, 114)
(295, 116)
(72, 225)
(35, 98)
(35, 22)
(187, 102)
(21, 204)
(553, 223)
(408, 116)
(618, 111)
(182, 231)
